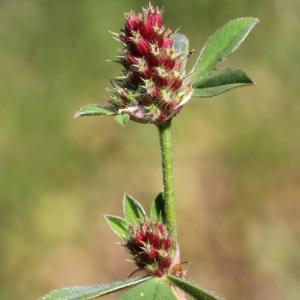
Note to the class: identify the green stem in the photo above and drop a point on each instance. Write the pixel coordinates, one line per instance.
(167, 170)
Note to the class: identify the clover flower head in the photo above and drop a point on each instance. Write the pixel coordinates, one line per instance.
(153, 86)
(151, 246)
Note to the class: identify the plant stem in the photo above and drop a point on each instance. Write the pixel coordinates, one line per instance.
(167, 170)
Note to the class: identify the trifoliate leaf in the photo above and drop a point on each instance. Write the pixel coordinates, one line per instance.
(92, 291)
(118, 225)
(219, 82)
(154, 289)
(192, 290)
(133, 210)
(95, 110)
(221, 44)
(158, 208)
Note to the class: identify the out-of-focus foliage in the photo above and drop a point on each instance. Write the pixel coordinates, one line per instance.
(236, 156)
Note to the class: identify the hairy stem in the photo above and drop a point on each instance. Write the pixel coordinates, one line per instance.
(167, 170)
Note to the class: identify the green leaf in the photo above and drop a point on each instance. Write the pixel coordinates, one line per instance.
(192, 290)
(133, 210)
(93, 291)
(118, 225)
(158, 208)
(95, 110)
(219, 82)
(122, 119)
(181, 45)
(221, 44)
(154, 289)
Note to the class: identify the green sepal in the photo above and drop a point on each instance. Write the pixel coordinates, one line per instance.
(157, 211)
(219, 82)
(133, 210)
(118, 225)
(192, 290)
(154, 289)
(221, 44)
(95, 110)
(93, 291)
(122, 119)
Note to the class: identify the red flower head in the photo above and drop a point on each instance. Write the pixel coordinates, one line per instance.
(153, 88)
(152, 247)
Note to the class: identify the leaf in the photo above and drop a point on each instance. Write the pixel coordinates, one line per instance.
(221, 44)
(154, 289)
(158, 208)
(118, 225)
(122, 119)
(93, 291)
(192, 290)
(220, 82)
(133, 210)
(95, 110)
(181, 45)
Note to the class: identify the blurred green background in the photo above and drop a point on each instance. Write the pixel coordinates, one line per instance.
(237, 159)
